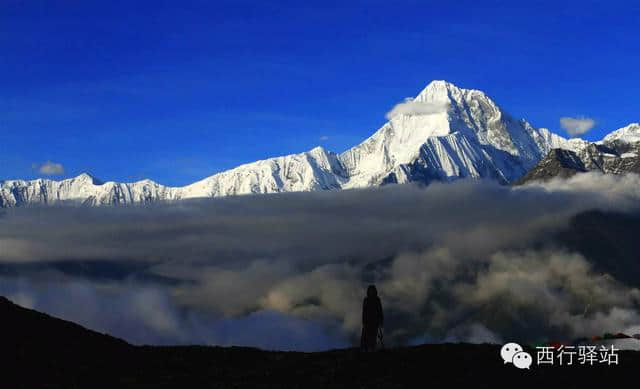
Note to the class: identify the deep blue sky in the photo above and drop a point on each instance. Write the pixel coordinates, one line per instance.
(178, 90)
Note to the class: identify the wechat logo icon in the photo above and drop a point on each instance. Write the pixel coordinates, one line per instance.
(513, 353)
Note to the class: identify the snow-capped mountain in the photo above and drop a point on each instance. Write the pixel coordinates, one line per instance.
(471, 137)
(444, 133)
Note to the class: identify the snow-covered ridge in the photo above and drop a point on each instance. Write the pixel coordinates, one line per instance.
(463, 134)
(317, 169)
(84, 189)
(629, 134)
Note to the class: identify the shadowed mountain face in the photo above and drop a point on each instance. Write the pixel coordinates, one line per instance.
(558, 163)
(41, 351)
(609, 240)
(612, 156)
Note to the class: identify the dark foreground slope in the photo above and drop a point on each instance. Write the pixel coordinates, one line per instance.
(40, 351)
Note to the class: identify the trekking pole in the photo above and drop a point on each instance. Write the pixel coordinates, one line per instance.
(381, 337)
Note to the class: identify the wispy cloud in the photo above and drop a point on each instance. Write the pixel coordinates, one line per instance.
(411, 107)
(50, 168)
(324, 138)
(577, 126)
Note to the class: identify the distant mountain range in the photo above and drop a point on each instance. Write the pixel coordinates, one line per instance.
(443, 134)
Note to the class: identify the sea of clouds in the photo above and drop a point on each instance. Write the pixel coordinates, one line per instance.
(467, 261)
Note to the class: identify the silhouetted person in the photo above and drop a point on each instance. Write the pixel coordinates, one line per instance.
(372, 319)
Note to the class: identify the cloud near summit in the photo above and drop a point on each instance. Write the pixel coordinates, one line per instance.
(412, 107)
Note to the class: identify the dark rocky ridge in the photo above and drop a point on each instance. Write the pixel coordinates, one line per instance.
(39, 351)
(615, 157)
(558, 163)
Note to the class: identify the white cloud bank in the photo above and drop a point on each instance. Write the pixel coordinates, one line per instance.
(467, 261)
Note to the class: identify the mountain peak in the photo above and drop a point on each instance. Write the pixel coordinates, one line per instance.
(87, 178)
(437, 89)
(441, 84)
(445, 91)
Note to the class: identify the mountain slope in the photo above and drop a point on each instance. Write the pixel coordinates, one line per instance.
(317, 169)
(444, 133)
(40, 351)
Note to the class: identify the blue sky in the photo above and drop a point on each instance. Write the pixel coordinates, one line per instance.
(178, 90)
